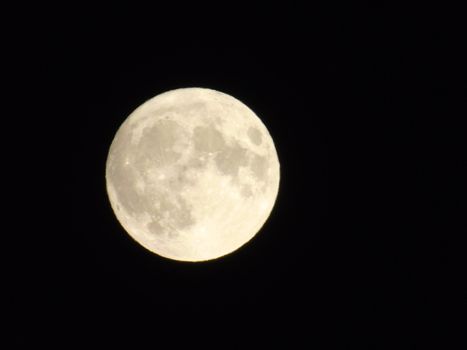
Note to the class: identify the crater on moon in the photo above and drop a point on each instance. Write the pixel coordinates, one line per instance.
(192, 174)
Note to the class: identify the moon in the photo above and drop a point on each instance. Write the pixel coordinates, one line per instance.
(192, 174)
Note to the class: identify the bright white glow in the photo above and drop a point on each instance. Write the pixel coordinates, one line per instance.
(192, 174)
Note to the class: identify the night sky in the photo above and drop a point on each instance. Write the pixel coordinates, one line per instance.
(361, 247)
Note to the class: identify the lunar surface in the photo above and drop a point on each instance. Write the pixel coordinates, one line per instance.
(192, 174)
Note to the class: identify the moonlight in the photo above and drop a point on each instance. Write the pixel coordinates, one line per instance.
(192, 174)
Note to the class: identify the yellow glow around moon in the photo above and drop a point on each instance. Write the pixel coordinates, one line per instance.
(192, 174)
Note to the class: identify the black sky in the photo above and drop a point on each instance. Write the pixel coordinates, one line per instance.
(359, 252)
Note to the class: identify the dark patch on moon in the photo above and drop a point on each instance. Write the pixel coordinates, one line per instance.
(180, 178)
(196, 162)
(254, 135)
(155, 147)
(155, 228)
(182, 214)
(231, 159)
(156, 144)
(259, 167)
(208, 139)
(246, 191)
(124, 181)
(177, 215)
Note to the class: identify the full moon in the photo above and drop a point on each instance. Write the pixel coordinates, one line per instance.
(192, 174)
